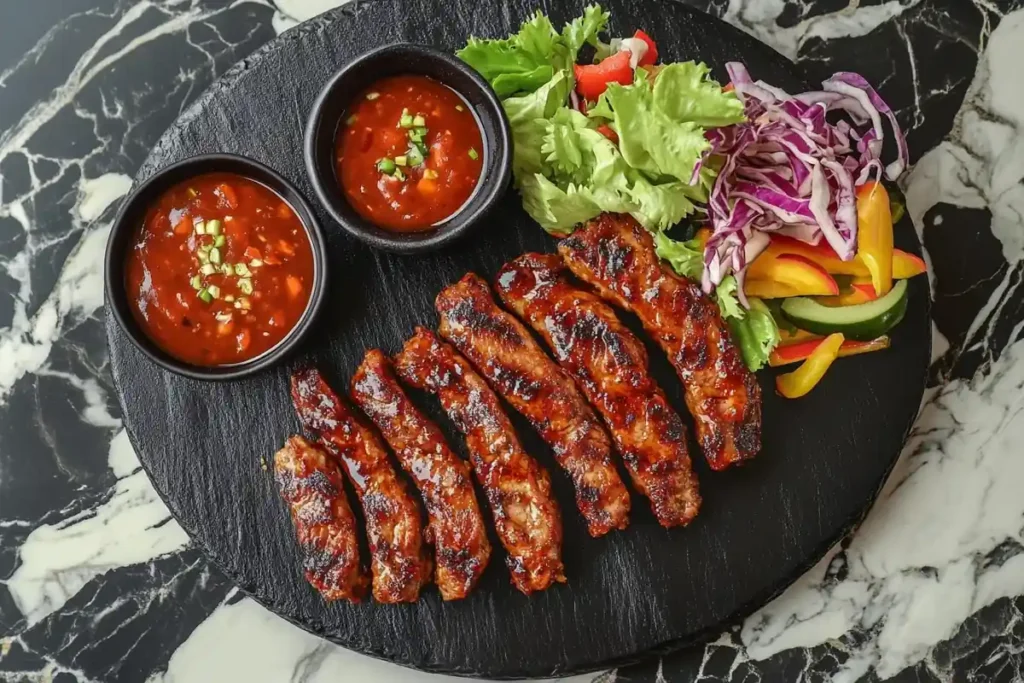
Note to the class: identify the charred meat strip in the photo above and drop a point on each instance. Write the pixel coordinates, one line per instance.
(615, 255)
(526, 514)
(610, 365)
(456, 525)
(311, 485)
(400, 563)
(503, 351)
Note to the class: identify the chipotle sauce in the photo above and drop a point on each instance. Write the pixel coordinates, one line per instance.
(220, 271)
(409, 153)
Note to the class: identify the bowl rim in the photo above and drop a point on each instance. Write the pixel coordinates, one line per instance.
(470, 214)
(115, 292)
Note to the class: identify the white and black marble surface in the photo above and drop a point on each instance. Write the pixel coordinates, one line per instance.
(98, 583)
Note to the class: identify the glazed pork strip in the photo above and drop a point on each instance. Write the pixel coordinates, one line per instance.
(610, 364)
(456, 525)
(399, 559)
(311, 485)
(503, 351)
(615, 255)
(526, 514)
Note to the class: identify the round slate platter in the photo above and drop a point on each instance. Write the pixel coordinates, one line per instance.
(206, 445)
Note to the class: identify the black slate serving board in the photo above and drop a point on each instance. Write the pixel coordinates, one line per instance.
(206, 446)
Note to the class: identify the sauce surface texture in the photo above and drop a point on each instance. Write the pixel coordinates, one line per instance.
(220, 271)
(409, 153)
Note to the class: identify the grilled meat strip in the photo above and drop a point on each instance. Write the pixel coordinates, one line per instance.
(326, 529)
(610, 365)
(400, 563)
(526, 514)
(615, 255)
(503, 351)
(456, 525)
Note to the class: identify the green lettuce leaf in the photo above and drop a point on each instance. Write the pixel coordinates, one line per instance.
(728, 302)
(755, 333)
(686, 258)
(660, 206)
(527, 60)
(684, 93)
(650, 141)
(584, 30)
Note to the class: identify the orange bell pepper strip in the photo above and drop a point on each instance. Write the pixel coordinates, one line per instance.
(859, 293)
(800, 382)
(874, 235)
(906, 265)
(794, 353)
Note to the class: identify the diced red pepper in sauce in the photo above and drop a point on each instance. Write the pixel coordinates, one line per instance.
(419, 195)
(219, 308)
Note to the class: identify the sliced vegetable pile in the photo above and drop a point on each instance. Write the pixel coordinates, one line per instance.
(798, 243)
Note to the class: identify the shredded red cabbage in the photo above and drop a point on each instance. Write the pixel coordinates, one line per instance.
(787, 170)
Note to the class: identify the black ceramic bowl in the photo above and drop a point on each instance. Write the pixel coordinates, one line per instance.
(132, 215)
(393, 60)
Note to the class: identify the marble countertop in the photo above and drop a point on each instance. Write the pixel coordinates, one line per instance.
(98, 583)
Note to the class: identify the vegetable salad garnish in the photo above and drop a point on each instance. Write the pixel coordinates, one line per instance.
(796, 228)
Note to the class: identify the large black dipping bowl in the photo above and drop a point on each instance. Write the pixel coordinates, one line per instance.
(133, 214)
(394, 60)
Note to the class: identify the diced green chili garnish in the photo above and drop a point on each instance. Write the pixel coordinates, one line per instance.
(372, 96)
(245, 285)
(419, 121)
(214, 291)
(205, 295)
(386, 166)
(200, 228)
(406, 120)
(401, 161)
(208, 269)
(220, 240)
(213, 227)
(255, 263)
(398, 175)
(224, 316)
(351, 119)
(203, 256)
(227, 269)
(242, 270)
(473, 155)
(215, 255)
(415, 155)
(430, 174)
(196, 282)
(230, 298)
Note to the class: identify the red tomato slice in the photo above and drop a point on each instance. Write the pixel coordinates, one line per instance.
(593, 79)
(652, 49)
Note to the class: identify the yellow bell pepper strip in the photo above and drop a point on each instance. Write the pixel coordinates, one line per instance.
(800, 382)
(787, 354)
(874, 235)
(788, 275)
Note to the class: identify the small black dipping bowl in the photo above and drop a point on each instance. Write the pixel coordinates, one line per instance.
(131, 217)
(394, 60)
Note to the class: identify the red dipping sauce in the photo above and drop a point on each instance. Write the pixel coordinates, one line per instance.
(220, 271)
(409, 153)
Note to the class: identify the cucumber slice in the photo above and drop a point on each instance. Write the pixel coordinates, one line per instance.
(862, 322)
